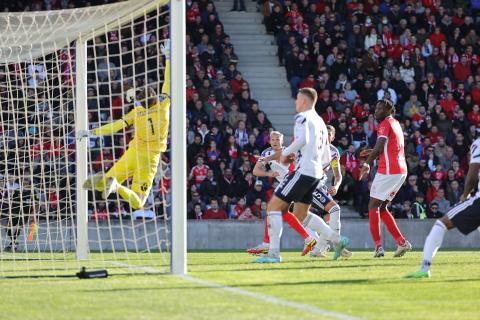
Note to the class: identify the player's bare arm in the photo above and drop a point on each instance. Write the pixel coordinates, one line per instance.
(260, 170)
(470, 180)
(337, 176)
(377, 150)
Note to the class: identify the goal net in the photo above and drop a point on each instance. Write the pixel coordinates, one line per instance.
(61, 73)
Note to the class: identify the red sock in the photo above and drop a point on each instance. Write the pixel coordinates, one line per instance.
(295, 224)
(392, 227)
(266, 237)
(374, 217)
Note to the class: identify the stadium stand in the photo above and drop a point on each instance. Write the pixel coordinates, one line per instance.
(423, 55)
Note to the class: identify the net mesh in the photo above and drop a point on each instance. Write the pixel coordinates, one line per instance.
(38, 139)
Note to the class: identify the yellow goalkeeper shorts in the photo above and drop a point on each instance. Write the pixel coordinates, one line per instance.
(141, 165)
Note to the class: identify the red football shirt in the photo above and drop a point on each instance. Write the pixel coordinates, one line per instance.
(392, 159)
(199, 173)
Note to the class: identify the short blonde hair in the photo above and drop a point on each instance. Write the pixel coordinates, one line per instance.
(276, 133)
(310, 93)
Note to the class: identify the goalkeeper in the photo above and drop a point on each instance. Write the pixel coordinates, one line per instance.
(142, 157)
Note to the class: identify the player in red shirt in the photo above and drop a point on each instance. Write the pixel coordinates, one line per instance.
(391, 173)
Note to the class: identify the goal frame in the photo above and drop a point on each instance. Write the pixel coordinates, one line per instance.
(178, 259)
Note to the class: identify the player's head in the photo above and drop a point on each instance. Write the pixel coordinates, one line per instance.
(383, 109)
(146, 96)
(306, 99)
(276, 139)
(331, 133)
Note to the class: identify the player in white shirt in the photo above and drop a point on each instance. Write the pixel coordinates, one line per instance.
(277, 170)
(312, 152)
(465, 216)
(323, 198)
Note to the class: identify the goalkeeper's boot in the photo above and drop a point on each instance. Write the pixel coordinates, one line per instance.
(111, 185)
(342, 244)
(401, 250)
(268, 259)
(310, 243)
(418, 275)
(262, 248)
(92, 181)
(346, 254)
(10, 248)
(379, 252)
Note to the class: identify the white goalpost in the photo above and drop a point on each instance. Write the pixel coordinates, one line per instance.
(179, 150)
(66, 72)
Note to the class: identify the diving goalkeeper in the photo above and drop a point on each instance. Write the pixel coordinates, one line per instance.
(142, 157)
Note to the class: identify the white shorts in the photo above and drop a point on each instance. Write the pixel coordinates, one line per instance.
(386, 186)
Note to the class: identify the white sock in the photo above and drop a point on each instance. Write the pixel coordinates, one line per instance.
(313, 234)
(432, 244)
(316, 223)
(322, 243)
(335, 218)
(275, 228)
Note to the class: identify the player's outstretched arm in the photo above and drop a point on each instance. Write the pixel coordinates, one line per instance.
(110, 128)
(165, 49)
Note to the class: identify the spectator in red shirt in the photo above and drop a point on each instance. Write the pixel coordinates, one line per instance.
(474, 116)
(419, 117)
(329, 115)
(348, 160)
(439, 173)
(459, 172)
(448, 104)
(432, 191)
(459, 18)
(215, 212)
(237, 83)
(437, 37)
(100, 213)
(434, 135)
(463, 69)
(199, 172)
(309, 82)
(247, 215)
(193, 13)
(395, 49)
(476, 93)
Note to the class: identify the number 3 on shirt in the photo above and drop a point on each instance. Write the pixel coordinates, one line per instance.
(151, 125)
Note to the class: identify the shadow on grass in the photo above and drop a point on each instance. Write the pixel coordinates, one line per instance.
(277, 284)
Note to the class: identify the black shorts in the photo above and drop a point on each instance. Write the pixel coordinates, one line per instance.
(465, 216)
(297, 187)
(321, 198)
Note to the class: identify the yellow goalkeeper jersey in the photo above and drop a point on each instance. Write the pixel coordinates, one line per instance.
(151, 125)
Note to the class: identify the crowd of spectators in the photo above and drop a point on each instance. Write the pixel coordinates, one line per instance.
(227, 130)
(422, 55)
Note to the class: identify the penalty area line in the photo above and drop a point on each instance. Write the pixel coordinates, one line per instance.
(271, 299)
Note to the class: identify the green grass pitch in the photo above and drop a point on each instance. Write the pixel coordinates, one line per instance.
(361, 287)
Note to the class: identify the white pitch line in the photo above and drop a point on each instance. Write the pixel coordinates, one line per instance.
(271, 299)
(132, 267)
